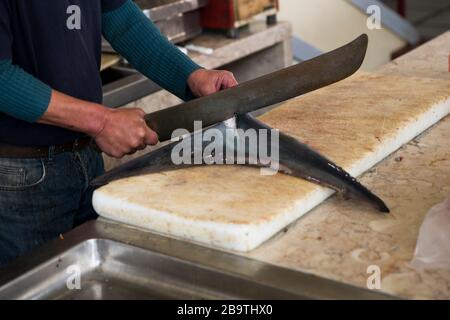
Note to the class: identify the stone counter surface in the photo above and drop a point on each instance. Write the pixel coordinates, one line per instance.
(339, 240)
(428, 61)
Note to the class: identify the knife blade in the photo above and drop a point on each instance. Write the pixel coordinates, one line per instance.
(261, 92)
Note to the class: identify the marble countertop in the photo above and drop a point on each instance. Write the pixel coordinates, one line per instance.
(339, 240)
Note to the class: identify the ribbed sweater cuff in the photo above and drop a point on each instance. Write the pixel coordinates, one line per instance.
(22, 96)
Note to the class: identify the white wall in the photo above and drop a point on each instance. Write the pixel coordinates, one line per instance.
(328, 24)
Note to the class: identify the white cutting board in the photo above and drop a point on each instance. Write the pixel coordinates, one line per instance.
(355, 123)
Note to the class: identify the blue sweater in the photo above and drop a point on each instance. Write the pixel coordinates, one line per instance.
(131, 34)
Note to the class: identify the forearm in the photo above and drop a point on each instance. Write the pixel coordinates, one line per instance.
(24, 97)
(137, 39)
(74, 114)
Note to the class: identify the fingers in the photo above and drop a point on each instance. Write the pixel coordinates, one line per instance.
(151, 138)
(125, 133)
(205, 82)
(145, 134)
(210, 88)
(141, 147)
(228, 80)
(140, 112)
(225, 80)
(142, 137)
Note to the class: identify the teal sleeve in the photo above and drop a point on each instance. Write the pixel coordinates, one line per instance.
(139, 41)
(22, 96)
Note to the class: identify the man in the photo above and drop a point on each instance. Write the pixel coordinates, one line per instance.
(50, 108)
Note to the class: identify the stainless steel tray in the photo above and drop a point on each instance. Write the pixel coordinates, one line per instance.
(112, 270)
(114, 261)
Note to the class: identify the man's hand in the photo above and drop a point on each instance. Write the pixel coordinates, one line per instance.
(124, 132)
(205, 82)
(116, 132)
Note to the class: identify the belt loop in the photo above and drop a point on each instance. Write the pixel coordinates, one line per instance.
(75, 145)
(51, 153)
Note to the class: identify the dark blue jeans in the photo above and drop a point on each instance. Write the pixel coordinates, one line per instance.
(43, 198)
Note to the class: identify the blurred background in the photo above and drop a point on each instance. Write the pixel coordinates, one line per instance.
(430, 18)
(324, 24)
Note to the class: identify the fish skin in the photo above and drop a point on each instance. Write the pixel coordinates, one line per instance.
(304, 162)
(295, 159)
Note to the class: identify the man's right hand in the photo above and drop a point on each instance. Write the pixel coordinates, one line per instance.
(116, 131)
(124, 131)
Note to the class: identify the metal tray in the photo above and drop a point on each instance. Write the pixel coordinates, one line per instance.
(112, 270)
(114, 261)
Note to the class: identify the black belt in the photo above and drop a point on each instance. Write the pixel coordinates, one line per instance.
(9, 151)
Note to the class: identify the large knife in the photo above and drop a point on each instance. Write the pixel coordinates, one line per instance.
(261, 92)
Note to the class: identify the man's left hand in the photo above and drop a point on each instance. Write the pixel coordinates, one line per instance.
(205, 82)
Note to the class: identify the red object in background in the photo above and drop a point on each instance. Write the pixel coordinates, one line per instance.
(224, 14)
(218, 14)
(401, 7)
